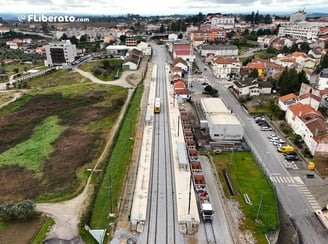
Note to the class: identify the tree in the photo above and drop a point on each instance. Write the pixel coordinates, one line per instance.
(254, 73)
(162, 29)
(25, 209)
(323, 63)
(302, 78)
(63, 37)
(73, 40)
(122, 38)
(289, 82)
(84, 38)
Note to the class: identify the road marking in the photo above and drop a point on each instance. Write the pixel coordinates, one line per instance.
(308, 196)
(282, 179)
(298, 180)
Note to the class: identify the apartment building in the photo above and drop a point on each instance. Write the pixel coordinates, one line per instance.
(60, 53)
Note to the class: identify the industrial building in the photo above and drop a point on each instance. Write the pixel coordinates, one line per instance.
(222, 124)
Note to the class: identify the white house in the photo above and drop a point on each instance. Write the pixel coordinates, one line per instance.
(287, 100)
(246, 87)
(131, 62)
(145, 48)
(180, 62)
(219, 50)
(323, 80)
(309, 124)
(226, 67)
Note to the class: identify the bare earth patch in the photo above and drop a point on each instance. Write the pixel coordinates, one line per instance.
(237, 215)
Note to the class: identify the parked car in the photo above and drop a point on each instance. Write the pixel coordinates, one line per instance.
(271, 136)
(284, 149)
(290, 153)
(266, 128)
(291, 158)
(274, 138)
(281, 144)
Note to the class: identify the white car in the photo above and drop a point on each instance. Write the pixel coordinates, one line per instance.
(276, 138)
(266, 128)
(272, 135)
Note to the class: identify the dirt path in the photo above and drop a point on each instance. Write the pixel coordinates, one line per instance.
(67, 214)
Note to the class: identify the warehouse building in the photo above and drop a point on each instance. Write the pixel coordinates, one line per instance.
(222, 124)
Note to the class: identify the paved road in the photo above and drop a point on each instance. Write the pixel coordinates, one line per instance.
(292, 198)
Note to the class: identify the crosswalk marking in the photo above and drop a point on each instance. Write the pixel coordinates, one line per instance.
(282, 179)
(296, 181)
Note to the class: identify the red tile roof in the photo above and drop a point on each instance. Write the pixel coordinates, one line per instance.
(225, 60)
(287, 97)
(179, 85)
(300, 110)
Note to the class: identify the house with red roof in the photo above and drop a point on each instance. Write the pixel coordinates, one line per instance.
(287, 100)
(184, 51)
(310, 99)
(310, 125)
(180, 90)
(181, 63)
(226, 67)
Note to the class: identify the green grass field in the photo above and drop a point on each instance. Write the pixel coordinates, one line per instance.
(117, 167)
(248, 178)
(32, 152)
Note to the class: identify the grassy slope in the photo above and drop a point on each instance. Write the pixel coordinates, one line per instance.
(117, 167)
(248, 178)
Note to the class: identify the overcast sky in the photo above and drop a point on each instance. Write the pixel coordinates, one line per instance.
(161, 7)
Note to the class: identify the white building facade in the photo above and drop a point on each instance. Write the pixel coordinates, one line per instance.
(323, 80)
(222, 123)
(226, 67)
(60, 53)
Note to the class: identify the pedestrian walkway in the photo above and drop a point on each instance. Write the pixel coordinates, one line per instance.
(308, 195)
(297, 181)
(284, 179)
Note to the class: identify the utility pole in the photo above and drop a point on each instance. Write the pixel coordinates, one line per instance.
(260, 205)
(110, 195)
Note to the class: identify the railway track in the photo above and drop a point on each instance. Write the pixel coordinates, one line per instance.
(161, 214)
(209, 233)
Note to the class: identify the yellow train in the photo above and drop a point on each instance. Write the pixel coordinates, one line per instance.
(157, 105)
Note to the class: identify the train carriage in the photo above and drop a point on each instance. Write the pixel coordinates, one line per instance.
(157, 105)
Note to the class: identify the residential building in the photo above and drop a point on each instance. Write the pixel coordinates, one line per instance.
(323, 80)
(117, 50)
(145, 48)
(219, 50)
(266, 40)
(180, 62)
(226, 67)
(259, 67)
(222, 21)
(297, 16)
(131, 41)
(131, 62)
(310, 125)
(300, 30)
(213, 34)
(60, 53)
(246, 86)
(184, 51)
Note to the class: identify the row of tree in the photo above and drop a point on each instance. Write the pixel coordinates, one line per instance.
(17, 211)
